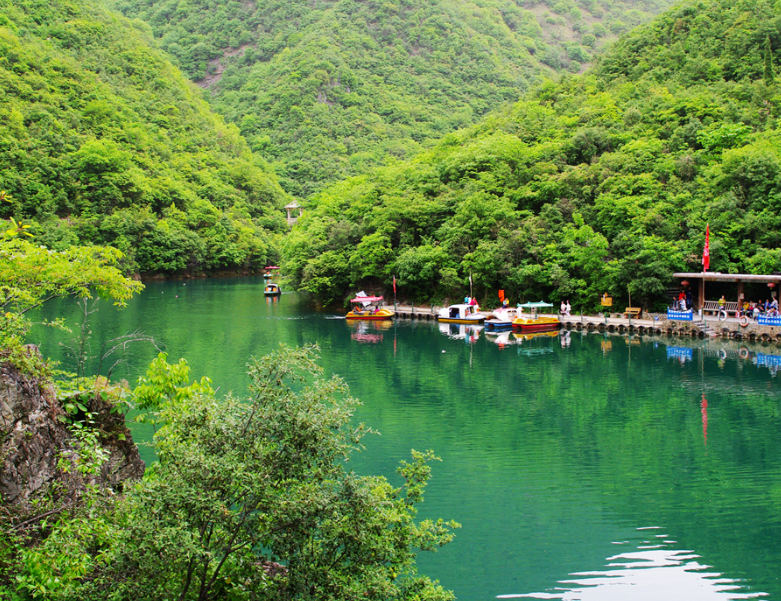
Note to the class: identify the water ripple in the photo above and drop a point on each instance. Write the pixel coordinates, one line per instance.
(647, 574)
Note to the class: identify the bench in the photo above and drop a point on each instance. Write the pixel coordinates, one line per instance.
(633, 312)
(712, 307)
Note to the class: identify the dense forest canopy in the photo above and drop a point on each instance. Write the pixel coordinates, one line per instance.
(103, 141)
(326, 89)
(599, 183)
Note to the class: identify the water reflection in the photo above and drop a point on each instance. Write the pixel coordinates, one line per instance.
(454, 331)
(653, 570)
(368, 331)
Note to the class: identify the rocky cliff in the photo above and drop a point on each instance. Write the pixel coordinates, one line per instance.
(37, 449)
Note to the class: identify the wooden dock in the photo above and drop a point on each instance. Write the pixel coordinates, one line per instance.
(708, 326)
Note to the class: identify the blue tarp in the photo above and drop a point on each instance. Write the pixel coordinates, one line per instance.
(680, 315)
(764, 320)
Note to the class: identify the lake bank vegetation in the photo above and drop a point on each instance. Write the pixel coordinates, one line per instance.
(592, 184)
(103, 142)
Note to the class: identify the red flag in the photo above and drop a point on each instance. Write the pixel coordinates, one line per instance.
(706, 250)
(501, 296)
(394, 284)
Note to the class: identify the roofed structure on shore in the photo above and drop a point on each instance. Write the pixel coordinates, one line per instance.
(737, 278)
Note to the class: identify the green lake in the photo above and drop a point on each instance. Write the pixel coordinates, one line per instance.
(581, 466)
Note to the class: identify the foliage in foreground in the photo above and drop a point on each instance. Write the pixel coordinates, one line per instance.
(250, 499)
(31, 274)
(598, 183)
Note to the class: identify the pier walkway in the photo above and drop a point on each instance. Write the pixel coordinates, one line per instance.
(651, 324)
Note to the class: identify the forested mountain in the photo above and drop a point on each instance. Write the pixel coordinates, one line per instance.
(597, 183)
(103, 141)
(329, 88)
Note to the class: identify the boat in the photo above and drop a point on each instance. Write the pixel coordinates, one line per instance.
(369, 308)
(271, 289)
(501, 319)
(463, 313)
(533, 321)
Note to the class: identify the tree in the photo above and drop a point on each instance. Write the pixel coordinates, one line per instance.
(769, 77)
(30, 275)
(251, 499)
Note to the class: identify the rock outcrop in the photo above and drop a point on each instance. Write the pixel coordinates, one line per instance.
(36, 447)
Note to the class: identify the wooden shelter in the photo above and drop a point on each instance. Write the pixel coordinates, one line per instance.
(737, 278)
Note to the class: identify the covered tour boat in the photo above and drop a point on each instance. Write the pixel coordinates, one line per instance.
(463, 313)
(271, 289)
(369, 307)
(534, 321)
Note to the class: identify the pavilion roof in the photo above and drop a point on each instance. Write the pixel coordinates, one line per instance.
(714, 276)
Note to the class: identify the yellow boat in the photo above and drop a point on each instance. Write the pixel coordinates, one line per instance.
(534, 322)
(368, 308)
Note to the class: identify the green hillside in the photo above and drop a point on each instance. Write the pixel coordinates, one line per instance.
(590, 185)
(102, 140)
(327, 89)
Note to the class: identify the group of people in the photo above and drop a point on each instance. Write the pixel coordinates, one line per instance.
(755, 309)
(565, 307)
(684, 302)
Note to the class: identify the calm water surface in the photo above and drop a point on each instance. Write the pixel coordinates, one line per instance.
(585, 466)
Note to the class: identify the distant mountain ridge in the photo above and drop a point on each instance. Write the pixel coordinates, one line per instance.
(329, 88)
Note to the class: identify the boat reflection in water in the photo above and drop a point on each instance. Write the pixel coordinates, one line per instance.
(533, 343)
(455, 331)
(368, 331)
(653, 571)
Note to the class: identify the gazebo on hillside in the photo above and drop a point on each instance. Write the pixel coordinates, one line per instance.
(737, 278)
(291, 219)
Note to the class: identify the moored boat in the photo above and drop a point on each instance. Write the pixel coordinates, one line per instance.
(462, 313)
(369, 308)
(534, 321)
(500, 319)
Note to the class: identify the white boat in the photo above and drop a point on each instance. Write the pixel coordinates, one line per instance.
(462, 313)
(272, 289)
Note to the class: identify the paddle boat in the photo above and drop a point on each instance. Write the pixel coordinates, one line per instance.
(501, 319)
(462, 313)
(369, 307)
(533, 321)
(271, 289)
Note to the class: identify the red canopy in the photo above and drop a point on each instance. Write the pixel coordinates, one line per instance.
(366, 299)
(271, 267)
